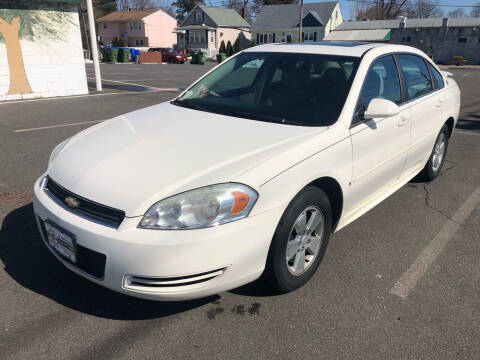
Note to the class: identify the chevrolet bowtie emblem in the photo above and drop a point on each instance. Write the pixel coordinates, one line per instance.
(72, 202)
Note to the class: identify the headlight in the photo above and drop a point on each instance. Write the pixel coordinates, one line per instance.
(200, 208)
(57, 150)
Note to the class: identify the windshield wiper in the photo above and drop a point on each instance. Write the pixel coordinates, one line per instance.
(187, 104)
(264, 117)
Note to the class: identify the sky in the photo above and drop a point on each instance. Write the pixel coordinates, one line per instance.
(445, 5)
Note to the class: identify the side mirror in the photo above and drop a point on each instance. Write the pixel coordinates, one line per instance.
(381, 108)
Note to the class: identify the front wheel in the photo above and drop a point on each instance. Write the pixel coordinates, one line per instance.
(300, 240)
(437, 158)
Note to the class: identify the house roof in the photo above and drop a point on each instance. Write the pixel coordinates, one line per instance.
(224, 17)
(126, 15)
(410, 23)
(285, 16)
(359, 35)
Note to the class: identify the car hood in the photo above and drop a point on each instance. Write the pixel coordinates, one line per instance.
(137, 159)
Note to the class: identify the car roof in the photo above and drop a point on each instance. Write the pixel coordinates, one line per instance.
(345, 48)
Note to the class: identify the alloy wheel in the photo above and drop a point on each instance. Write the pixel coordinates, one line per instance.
(305, 240)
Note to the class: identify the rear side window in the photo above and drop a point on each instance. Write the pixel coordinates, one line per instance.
(417, 77)
(381, 82)
(437, 77)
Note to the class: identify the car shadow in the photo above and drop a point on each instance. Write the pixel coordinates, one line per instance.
(30, 264)
(469, 124)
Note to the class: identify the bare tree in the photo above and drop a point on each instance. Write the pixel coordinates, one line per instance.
(126, 5)
(476, 10)
(380, 10)
(457, 13)
(423, 9)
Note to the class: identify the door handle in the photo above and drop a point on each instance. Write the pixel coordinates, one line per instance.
(402, 121)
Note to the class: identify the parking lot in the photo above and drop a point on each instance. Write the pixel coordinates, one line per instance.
(401, 282)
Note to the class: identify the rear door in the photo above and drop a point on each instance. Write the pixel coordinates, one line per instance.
(425, 104)
(379, 145)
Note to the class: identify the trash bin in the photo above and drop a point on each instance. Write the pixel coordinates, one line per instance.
(194, 57)
(113, 55)
(221, 57)
(123, 55)
(202, 58)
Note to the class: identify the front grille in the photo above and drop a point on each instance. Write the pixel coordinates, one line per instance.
(134, 281)
(88, 261)
(86, 207)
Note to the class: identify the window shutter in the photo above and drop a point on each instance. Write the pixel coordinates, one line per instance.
(258, 38)
(273, 37)
(314, 36)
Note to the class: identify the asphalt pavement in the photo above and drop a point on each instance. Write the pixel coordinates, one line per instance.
(348, 310)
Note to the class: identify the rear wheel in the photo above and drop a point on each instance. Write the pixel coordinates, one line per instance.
(300, 240)
(437, 158)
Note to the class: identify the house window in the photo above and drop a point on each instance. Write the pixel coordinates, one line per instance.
(196, 36)
(212, 36)
(406, 39)
(462, 40)
(266, 38)
(139, 42)
(135, 25)
(105, 25)
(308, 36)
(198, 17)
(288, 37)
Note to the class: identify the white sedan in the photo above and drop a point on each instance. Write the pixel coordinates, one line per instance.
(248, 171)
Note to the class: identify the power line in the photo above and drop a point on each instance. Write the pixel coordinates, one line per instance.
(413, 4)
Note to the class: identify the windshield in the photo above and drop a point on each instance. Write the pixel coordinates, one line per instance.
(297, 89)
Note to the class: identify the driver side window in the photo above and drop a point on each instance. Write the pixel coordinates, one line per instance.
(382, 81)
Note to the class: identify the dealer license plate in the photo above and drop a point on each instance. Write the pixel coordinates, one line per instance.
(61, 241)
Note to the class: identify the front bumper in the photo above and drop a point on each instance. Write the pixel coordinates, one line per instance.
(166, 264)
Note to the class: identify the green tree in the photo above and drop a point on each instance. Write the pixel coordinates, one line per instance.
(103, 7)
(16, 24)
(237, 46)
(184, 7)
(222, 48)
(229, 50)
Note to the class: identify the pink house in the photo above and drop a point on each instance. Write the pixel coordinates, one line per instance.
(152, 28)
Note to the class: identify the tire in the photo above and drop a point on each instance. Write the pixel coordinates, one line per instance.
(284, 262)
(435, 162)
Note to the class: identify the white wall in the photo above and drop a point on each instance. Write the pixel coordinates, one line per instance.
(54, 67)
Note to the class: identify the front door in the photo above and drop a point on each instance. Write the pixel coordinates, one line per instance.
(379, 145)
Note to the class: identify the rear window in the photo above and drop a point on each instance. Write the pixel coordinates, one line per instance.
(417, 77)
(437, 77)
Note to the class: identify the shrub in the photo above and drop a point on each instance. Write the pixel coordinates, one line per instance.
(229, 50)
(222, 48)
(254, 43)
(237, 46)
(118, 42)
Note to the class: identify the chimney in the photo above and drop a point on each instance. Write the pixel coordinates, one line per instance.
(403, 22)
(444, 22)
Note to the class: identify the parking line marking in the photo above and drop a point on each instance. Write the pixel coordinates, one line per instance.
(407, 281)
(124, 82)
(466, 133)
(57, 126)
(4, 103)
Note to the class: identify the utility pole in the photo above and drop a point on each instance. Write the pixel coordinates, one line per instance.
(300, 39)
(93, 44)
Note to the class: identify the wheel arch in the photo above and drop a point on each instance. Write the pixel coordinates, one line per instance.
(335, 194)
(450, 124)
